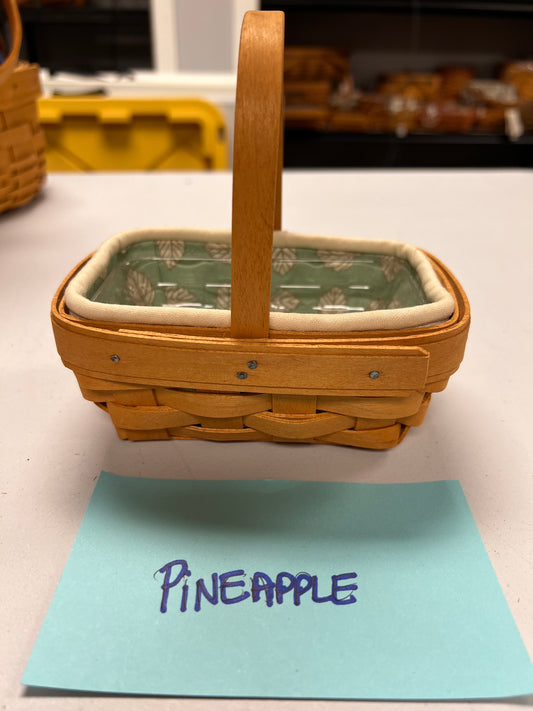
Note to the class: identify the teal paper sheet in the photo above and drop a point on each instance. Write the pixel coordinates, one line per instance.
(388, 593)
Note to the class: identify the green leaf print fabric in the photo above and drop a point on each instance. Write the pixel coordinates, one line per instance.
(185, 274)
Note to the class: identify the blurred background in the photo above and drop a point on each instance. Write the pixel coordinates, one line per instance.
(375, 83)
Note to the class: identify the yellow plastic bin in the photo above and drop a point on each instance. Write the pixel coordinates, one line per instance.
(102, 133)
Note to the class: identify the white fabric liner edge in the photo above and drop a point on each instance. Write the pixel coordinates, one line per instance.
(439, 309)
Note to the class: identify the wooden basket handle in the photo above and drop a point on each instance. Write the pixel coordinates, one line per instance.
(13, 17)
(257, 168)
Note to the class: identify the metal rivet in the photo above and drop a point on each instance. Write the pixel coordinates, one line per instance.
(252, 364)
(242, 375)
(115, 358)
(373, 374)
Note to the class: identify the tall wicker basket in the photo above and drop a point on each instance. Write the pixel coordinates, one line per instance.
(247, 381)
(22, 160)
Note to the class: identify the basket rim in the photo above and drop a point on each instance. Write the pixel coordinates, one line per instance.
(440, 307)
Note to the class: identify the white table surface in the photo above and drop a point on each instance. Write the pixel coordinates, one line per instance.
(54, 444)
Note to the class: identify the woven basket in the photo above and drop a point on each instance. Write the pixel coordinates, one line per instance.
(22, 161)
(249, 378)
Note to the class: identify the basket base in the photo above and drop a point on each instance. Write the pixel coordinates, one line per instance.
(381, 438)
(170, 413)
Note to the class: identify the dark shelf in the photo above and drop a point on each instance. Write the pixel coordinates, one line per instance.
(456, 7)
(383, 36)
(87, 40)
(314, 149)
(84, 15)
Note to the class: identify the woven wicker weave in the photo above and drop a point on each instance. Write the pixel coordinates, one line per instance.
(22, 161)
(248, 382)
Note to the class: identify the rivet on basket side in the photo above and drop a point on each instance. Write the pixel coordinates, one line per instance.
(373, 374)
(242, 375)
(252, 364)
(115, 358)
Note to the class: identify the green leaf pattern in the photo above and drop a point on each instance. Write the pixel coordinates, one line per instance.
(219, 251)
(223, 299)
(171, 250)
(140, 289)
(283, 259)
(332, 302)
(390, 266)
(197, 274)
(177, 296)
(282, 300)
(377, 305)
(336, 260)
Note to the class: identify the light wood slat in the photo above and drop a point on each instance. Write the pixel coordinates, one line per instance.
(383, 438)
(258, 110)
(417, 419)
(437, 386)
(147, 418)
(380, 407)
(143, 435)
(142, 398)
(372, 424)
(296, 367)
(219, 435)
(298, 426)
(208, 404)
(88, 382)
(96, 395)
(294, 404)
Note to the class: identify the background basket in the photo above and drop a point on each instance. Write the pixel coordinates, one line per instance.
(247, 382)
(22, 161)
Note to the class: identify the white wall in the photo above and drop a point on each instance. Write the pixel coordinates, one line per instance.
(197, 35)
(204, 35)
